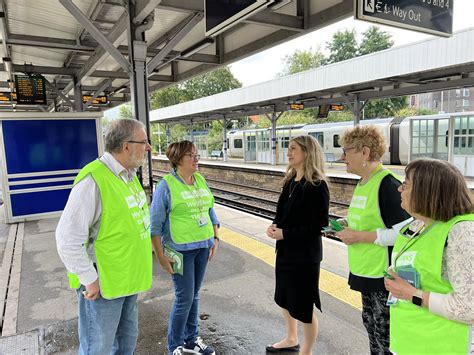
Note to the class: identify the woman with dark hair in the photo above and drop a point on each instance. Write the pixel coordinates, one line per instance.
(183, 224)
(302, 212)
(433, 311)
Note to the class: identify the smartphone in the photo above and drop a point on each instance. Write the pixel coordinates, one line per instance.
(336, 226)
(388, 276)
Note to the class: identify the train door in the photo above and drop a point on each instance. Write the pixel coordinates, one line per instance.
(263, 146)
(283, 140)
(250, 147)
(394, 143)
(463, 144)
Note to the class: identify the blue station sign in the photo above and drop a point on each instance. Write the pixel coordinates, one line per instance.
(428, 16)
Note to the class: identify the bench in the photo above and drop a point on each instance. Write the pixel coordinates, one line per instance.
(216, 154)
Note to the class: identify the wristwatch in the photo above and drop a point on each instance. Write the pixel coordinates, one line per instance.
(417, 298)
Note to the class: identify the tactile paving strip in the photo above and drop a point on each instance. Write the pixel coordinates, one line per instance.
(27, 343)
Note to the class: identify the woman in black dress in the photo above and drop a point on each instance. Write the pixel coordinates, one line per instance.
(302, 212)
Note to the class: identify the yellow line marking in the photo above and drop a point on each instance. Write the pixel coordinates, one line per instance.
(332, 284)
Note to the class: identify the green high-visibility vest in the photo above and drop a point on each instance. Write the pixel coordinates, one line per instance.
(123, 246)
(413, 329)
(367, 259)
(189, 215)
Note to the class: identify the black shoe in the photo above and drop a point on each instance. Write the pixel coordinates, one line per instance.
(289, 349)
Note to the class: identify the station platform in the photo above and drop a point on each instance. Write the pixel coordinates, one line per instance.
(237, 311)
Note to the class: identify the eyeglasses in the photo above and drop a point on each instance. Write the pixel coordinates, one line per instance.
(344, 150)
(404, 185)
(193, 156)
(139, 142)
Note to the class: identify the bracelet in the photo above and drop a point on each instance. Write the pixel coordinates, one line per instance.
(217, 238)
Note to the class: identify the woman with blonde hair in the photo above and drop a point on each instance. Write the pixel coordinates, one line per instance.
(302, 212)
(373, 211)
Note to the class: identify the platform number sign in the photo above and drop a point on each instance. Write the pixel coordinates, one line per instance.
(428, 16)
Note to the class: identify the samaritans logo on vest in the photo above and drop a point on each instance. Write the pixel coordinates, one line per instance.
(359, 202)
(407, 258)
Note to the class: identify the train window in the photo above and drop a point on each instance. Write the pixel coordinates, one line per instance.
(237, 143)
(335, 141)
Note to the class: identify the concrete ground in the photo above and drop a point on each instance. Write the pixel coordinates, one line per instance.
(237, 312)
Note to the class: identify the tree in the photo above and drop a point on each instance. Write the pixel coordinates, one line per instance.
(302, 60)
(167, 97)
(343, 46)
(125, 111)
(374, 40)
(384, 107)
(211, 83)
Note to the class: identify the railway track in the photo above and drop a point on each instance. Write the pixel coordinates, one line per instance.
(255, 200)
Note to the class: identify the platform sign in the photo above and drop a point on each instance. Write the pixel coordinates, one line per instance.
(323, 111)
(99, 100)
(428, 16)
(30, 89)
(336, 107)
(296, 106)
(7, 96)
(41, 154)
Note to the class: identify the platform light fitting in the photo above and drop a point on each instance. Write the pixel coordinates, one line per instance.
(197, 47)
(8, 64)
(279, 4)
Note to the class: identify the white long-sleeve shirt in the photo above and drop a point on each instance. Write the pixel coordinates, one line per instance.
(457, 268)
(80, 222)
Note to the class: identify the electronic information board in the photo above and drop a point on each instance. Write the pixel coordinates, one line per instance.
(30, 89)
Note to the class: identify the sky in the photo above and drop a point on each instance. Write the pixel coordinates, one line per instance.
(266, 65)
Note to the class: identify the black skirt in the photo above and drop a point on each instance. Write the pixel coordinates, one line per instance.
(297, 289)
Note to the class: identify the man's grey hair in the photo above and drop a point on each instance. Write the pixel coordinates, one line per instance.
(119, 132)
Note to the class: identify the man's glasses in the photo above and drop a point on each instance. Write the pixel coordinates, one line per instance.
(139, 142)
(193, 156)
(345, 150)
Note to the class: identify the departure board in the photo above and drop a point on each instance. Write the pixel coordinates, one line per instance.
(30, 89)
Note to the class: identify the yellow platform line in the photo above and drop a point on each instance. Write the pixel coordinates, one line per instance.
(332, 284)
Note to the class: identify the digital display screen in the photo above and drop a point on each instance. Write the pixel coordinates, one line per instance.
(99, 100)
(30, 89)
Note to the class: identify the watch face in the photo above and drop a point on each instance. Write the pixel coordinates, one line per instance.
(418, 301)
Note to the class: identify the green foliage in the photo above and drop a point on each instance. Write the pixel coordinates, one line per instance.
(213, 82)
(384, 107)
(411, 111)
(302, 60)
(374, 40)
(125, 111)
(343, 46)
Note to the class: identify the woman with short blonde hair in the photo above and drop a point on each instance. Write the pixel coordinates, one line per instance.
(375, 207)
(302, 212)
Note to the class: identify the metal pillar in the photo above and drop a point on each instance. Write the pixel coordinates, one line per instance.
(191, 134)
(139, 82)
(168, 135)
(356, 111)
(274, 158)
(77, 95)
(224, 131)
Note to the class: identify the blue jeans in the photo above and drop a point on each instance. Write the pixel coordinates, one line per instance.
(107, 326)
(183, 324)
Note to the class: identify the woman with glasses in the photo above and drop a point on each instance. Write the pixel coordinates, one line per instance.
(302, 212)
(433, 314)
(184, 230)
(374, 208)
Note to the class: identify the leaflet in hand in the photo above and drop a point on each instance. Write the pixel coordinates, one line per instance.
(177, 258)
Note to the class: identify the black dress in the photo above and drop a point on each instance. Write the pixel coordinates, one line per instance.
(302, 212)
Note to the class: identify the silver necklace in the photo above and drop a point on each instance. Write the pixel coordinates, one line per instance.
(292, 187)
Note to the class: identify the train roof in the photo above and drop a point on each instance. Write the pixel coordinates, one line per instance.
(347, 123)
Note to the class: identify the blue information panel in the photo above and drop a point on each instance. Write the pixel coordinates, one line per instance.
(49, 145)
(42, 158)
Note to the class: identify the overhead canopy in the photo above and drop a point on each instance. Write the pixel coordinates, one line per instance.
(431, 65)
(47, 37)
